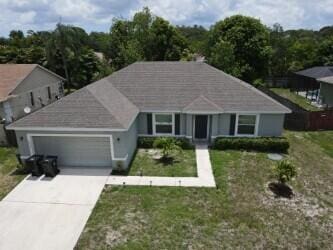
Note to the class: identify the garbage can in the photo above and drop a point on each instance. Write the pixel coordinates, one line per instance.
(34, 166)
(50, 166)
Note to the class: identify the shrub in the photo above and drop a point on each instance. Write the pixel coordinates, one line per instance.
(148, 142)
(145, 142)
(285, 171)
(262, 144)
(167, 144)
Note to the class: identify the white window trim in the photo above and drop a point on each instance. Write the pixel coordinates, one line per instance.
(255, 126)
(172, 124)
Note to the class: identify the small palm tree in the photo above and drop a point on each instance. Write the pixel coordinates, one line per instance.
(285, 171)
(168, 145)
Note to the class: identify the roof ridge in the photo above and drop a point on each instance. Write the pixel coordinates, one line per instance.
(249, 86)
(97, 98)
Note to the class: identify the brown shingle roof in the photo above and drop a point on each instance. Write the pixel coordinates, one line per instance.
(11, 75)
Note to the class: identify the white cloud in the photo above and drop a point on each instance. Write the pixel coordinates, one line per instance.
(97, 14)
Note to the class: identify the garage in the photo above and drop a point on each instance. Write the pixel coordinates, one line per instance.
(75, 151)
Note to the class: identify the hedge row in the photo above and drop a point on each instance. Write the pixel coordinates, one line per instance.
(148, 142)
(262, 144)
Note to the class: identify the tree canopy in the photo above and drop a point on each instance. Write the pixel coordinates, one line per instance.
(241, 46)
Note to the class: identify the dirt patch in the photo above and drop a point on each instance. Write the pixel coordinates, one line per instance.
(298, 202)
(154, 153)
(114, 238)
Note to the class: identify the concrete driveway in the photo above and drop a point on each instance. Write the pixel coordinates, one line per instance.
(44, 213)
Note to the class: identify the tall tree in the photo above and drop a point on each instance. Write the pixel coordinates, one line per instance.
(249, 39)
(65, 41)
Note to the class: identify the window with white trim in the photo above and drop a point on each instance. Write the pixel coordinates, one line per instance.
(246, 124)
(163, 124)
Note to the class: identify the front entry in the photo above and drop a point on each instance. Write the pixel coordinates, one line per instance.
(201, 125)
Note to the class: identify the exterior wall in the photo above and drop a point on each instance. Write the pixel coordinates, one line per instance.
(189, 125)
(38, 78)
(270, 124)
(326, 93)
(224, 124)
(142, 124)
(123, 148)
(37, 82)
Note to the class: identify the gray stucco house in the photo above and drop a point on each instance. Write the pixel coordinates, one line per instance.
(99, 125)
(22, 86)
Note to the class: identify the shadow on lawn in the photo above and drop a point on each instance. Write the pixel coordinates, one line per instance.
(167, 160)
(281, 190)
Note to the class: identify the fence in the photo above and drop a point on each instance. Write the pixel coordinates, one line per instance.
(278, 81)
(300, 118)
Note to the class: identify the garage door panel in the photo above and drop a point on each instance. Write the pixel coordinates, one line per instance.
(75, 151)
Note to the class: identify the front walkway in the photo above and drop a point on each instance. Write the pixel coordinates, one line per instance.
(45, 213)
(204, 169)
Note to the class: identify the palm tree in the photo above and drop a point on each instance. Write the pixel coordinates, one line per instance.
(65, 41)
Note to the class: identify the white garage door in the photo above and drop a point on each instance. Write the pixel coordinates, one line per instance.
(75, 151)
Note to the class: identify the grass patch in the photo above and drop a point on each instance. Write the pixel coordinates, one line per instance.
(147, 162)
(240, 214)
(8, 177)
(300, 100)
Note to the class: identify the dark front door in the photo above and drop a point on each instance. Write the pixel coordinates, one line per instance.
(201, 127)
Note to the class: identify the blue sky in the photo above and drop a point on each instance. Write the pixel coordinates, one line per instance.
(98, 14)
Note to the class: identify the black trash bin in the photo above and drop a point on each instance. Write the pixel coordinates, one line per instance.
(33, 164)
(50, 166)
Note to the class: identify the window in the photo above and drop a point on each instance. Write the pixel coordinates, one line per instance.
(49, 92)
(163, 124)
(246, 124)
(32, 101)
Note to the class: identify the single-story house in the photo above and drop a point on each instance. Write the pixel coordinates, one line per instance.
(99, 124)
(25, 88)
(309, 83)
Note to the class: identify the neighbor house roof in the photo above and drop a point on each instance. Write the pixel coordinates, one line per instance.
(317, 72)
(11, 76)
(328, 79)
(188, 87)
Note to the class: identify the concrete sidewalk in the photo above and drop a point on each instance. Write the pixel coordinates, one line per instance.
(204, 169)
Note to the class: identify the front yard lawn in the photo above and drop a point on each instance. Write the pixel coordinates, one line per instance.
(242, 213)
(147, 163)
(300, 100)
(8, 177)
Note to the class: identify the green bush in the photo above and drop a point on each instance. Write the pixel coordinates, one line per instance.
(262, 144)
(167, 144)
(148, 142)
(285, 171)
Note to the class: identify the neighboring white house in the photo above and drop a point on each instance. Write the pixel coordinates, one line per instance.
(25, 88)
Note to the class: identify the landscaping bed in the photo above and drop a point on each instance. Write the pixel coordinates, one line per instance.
(241, 213)
(148, 162)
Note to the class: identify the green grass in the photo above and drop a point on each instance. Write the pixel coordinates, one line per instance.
(183, 164)
(300, 100)
(240, 214)
(8, 177)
